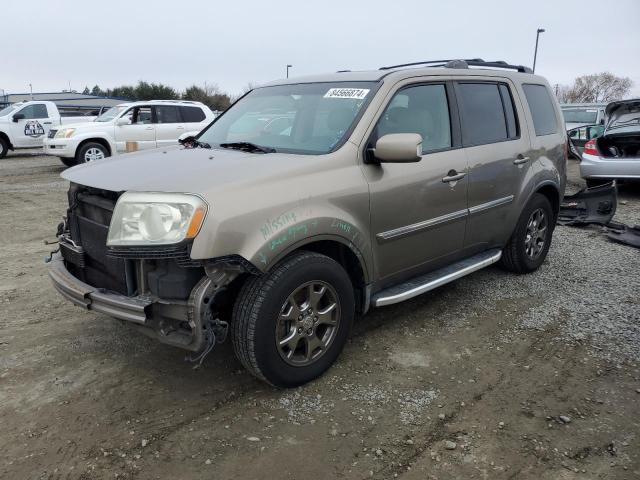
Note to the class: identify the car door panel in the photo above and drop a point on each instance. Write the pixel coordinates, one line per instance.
(31, 130)
(418, 217)
(140, 134)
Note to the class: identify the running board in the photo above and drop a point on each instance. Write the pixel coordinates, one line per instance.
(424, 283)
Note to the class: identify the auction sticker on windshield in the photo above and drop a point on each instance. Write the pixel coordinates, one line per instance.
(356, 93)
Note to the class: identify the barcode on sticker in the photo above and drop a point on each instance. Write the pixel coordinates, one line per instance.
(356, 93)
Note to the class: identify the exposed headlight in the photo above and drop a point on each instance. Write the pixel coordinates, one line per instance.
(155, 219)
(65, 133)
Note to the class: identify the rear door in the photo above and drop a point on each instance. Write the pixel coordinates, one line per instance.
(169, 125)
(139, 133)
(499, 157)
(32, 128)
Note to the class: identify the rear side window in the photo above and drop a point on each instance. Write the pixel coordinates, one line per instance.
(167, 114)
(482, 112)
(542, 111)
(192, 114)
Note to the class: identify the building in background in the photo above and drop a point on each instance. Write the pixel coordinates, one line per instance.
(67, 100)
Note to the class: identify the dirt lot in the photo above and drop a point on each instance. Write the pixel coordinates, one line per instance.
(494, 376)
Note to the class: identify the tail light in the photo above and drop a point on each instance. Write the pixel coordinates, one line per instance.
(590, 148)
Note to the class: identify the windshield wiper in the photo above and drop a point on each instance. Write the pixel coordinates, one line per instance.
(248, 147)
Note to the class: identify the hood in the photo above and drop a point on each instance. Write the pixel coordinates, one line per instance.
(187, 170)
(86, 125)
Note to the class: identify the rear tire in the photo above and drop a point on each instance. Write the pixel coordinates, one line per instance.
(290, 324)
(90, 152)
(4, 148)
(528, 246)
(69, 162)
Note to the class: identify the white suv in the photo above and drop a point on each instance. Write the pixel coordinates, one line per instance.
(128, 127)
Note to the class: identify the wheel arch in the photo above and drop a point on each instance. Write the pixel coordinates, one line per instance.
(102, 141)
(551, 191)
(5, 137)
(345, 253)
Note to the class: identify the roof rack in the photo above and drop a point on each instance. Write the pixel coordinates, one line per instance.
(457, 63)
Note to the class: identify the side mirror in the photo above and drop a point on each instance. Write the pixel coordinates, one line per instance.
(123, 121)
(399, 148)
(18, 116)
(187, 137)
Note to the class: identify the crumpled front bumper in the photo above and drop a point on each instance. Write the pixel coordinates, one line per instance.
(131, 309)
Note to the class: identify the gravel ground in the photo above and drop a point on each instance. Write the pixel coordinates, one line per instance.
(493, 376)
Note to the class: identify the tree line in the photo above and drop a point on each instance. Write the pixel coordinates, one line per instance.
(210, 95)
(602, 87)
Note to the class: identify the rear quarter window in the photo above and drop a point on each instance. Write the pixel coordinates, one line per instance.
(541, 107)
(192, 114)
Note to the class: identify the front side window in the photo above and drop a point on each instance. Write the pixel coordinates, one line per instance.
(34, 111)
(141, 116)
(482, 114)
(421, 109)
(542, 111)
(110, 114)
(167, 114)
(308, 118)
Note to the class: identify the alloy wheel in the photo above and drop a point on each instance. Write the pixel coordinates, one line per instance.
(93, 154)
(536, 234)
(307, 323)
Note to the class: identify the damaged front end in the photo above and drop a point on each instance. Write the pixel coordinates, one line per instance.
(159, 290)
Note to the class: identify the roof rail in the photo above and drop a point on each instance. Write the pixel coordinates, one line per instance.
(459, 63)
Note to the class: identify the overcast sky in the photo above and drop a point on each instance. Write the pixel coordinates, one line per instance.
(50, 43)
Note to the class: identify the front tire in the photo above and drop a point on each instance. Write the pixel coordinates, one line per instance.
(290, 324)
(529, 244)
(68, 162)
(4, 148)
(91, 152)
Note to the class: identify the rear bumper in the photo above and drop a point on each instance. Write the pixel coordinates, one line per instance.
(593, 166)
(131, 309)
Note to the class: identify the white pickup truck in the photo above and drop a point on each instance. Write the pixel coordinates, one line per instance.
(27, 124)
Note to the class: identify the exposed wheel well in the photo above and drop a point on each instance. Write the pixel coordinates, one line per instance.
(553, 196)
(6, 140)
(101, 141)
(349, 261)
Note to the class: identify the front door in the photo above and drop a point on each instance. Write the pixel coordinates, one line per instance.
(418, 210)
(32, 125)
(139, 133)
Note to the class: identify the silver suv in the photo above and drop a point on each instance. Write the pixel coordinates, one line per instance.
(310, 201)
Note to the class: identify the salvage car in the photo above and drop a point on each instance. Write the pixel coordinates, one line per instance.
(128, 127)
(386, 185)
(615, 155)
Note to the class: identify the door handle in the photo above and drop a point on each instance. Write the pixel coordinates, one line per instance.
(149, 128)
(453, 176)
(180, 127)
(520, 160)
(47, 123)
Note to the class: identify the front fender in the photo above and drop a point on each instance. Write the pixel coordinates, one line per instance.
(83, 137)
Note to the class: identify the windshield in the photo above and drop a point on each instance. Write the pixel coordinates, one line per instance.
(110, 114)
(312, 118)
(7, 110)
(580, 115)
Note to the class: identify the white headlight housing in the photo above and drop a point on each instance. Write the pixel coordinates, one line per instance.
(143, 219)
